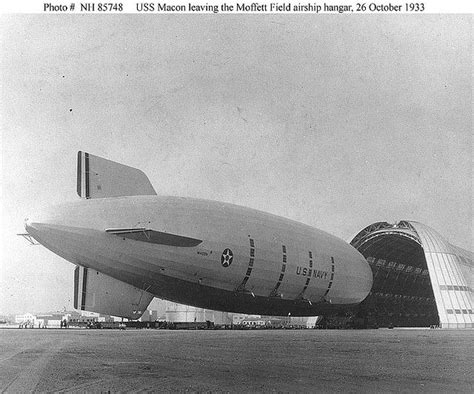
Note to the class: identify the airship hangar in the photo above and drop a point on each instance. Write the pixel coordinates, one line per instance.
(420, 279)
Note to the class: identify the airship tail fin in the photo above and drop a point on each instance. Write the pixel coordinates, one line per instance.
(101, 178)
(96, 292)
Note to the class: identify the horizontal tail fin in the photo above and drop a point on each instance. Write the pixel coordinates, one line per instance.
(101, 178)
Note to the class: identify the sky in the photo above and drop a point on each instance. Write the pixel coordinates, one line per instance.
(331, 120)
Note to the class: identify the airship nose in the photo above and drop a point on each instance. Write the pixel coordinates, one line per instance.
(34, 222)
(27, 223)
(31, 227)
(359, 279)
(43, 215)
(45, 227)
(30, 221)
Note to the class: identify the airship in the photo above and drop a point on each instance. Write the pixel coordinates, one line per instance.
(130, 245)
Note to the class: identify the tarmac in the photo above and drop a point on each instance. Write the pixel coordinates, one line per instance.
(383, 360)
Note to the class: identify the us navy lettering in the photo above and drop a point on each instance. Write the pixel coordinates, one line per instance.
(311, 273)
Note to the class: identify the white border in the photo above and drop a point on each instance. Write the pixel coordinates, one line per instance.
(130, 6)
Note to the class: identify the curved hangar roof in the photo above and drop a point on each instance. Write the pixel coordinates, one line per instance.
(419, 277)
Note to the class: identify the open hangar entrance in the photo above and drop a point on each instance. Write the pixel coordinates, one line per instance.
(420, 280)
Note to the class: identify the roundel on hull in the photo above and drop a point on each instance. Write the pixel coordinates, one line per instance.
(227, 257)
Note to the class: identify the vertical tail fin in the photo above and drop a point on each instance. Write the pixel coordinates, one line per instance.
(101, 178)
(96, 292)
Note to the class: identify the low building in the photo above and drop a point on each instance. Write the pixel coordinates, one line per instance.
(256, 321)
(178, 313)
(83, 319)
(50, 320)
(238, 318)
(26, 320)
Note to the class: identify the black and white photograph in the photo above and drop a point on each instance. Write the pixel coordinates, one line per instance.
(214, 199)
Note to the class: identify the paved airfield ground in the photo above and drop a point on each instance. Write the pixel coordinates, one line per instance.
(236, 361)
